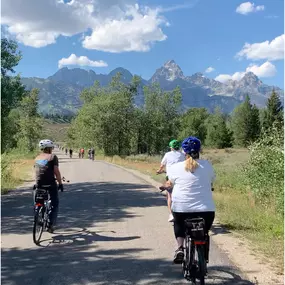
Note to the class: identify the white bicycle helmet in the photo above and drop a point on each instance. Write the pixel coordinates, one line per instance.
(45, 143)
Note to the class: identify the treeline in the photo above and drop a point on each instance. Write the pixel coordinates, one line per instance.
(21, 125)
(110, 121)
(58, 118)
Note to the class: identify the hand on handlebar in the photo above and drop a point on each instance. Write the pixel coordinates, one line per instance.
(60, 187)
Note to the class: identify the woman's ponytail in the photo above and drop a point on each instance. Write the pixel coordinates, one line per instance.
(191, 164)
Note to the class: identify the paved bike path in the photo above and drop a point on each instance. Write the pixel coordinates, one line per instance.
(112, 229)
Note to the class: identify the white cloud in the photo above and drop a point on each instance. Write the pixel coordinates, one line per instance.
(273, 50)
(115, 25)
(248, 7)
(81, 61)
(210, 69)
(134, 32)
(267, 69)
(226, 77)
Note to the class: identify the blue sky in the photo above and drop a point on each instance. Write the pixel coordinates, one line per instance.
(142, 35)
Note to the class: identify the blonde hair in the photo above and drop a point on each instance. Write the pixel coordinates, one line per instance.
(190, 164)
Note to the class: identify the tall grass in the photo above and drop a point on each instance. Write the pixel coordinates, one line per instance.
(15, 168)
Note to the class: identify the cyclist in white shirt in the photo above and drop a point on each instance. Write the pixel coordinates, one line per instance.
(169, 159)
(192, 195)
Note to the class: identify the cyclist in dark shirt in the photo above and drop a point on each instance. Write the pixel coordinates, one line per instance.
(46, 167)
(92, 153)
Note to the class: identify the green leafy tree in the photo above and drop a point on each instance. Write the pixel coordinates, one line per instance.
(12, 89)
(29, 122)
(193, 122)
(218, 134)
(106, 119)
(161, 109)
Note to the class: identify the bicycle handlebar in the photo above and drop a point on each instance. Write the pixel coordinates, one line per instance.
(163, 188)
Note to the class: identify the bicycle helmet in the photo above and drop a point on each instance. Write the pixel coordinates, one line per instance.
(191, 145)
(45, 144)
(174, 144)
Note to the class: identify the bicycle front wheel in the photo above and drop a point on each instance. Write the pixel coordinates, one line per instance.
(38, 226)
(201, 264)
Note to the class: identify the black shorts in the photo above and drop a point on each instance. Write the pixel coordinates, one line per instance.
(179, 218)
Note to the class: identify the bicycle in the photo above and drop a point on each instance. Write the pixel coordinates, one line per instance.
(194, 265)
(42, 208)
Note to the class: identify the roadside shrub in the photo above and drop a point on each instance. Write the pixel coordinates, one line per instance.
(265, 170)
(6, 172)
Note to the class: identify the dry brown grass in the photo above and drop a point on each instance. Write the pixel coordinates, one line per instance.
(19, 170)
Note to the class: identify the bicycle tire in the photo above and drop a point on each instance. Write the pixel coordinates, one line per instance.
(186, 261)
(201, 264)
(38, 214)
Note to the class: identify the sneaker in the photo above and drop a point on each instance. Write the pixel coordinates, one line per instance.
(170, 218)
(178, 256)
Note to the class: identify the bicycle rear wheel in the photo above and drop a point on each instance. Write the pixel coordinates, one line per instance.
(201, 264)
(186, 261)
(38, 226)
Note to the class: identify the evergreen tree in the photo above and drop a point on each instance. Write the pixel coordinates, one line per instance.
(245, 123)
(255, 122)
(273, 112)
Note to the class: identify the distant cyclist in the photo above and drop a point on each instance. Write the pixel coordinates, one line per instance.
(82, 152)
(170, 158)
(70, 152)
(192, 195)
(92, 153)
(46, 168)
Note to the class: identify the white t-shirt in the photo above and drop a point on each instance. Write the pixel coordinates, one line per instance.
(192, 191)
(171, 158)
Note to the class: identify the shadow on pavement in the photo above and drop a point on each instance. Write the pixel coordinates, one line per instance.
(80, 205)
(225, 275)
(72, 256)
(75, 265)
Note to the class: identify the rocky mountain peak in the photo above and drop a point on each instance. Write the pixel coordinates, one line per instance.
(250, 79)
(170, 71)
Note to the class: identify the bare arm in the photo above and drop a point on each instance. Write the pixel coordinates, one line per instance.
(57, 174)
(162, 165)
(56, 171)
(160, 169)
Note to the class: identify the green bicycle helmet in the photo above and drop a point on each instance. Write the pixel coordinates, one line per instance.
(174, 144)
